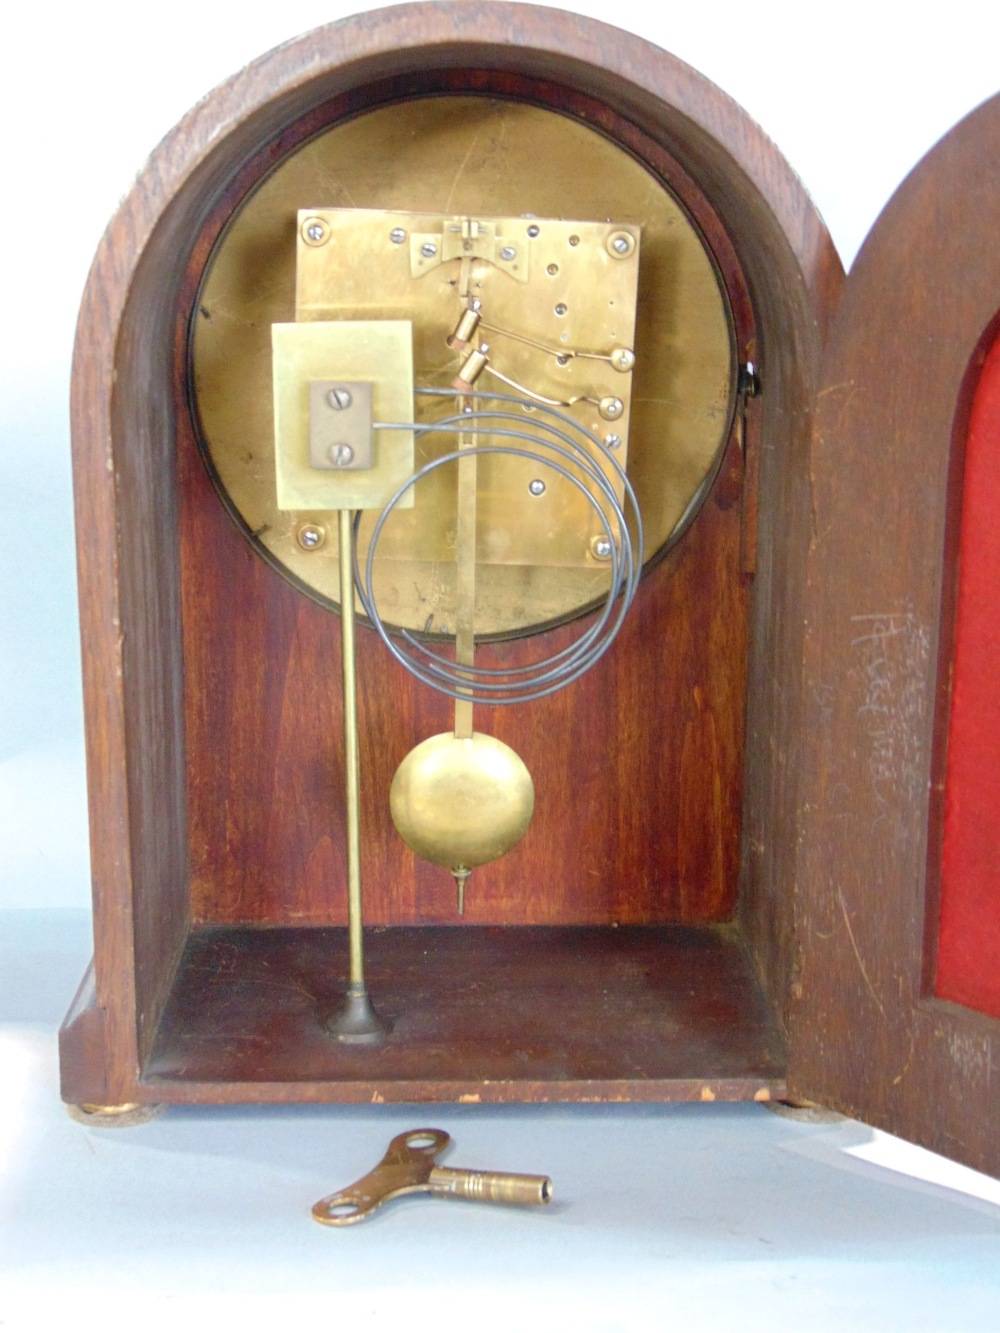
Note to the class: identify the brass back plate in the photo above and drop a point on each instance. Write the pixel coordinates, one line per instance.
(558, 282)
(459, 157)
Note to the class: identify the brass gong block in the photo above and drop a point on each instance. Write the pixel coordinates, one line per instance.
(634, 943)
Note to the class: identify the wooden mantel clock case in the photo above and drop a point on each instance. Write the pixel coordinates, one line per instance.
(396, 267)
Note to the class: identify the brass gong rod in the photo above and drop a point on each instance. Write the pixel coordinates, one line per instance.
(352, 767)
(357, 1022)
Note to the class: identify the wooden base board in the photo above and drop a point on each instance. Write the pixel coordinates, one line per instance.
(492, 1014)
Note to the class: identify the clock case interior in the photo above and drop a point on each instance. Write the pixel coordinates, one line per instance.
(638, 944)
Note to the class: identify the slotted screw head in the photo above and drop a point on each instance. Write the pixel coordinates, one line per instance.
(339, 399)
(508, 253)
(397, 236)
(428, 249)
(315, 231)
(620, 244)
(613, 441)
(341, 455)
(623, 359)
(310, 536)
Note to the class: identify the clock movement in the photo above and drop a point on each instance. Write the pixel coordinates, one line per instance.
(451, 523)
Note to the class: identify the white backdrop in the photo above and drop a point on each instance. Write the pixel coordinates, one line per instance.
(853, 93)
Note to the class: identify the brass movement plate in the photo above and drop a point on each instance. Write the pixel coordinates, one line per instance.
(558, 282)
(455, 157)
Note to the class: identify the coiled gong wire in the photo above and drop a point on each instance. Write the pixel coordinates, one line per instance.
(548, 443)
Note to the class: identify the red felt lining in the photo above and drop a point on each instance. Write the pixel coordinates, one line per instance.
(968, 957)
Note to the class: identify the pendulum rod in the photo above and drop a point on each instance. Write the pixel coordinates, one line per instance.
(357, 1022)
(465, 573)
(465, 596)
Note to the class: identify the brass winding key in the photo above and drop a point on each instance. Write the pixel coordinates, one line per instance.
(409, 1167)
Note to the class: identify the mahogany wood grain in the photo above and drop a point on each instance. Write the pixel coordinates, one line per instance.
(867, 1035)
(476, 1014)
(637, 767)
(125, 411)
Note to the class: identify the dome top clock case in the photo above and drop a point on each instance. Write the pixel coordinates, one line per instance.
(442, 427)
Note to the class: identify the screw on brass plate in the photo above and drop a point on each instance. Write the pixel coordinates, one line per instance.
(341, 455)
(408, 1167)
(311, 536)
(339, 399)
(611, 408)
(621, 244)
(315, 231)
(612, 441)
(428, 249)
(623, 358)
(536, 487)
(508, 253)
(561, 308)
(397, 236)
(533, 230)
(600, 548)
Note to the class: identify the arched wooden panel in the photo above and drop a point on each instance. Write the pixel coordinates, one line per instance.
(868, 1035)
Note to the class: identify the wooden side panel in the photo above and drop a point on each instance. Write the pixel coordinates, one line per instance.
(83, 1050)
(130, 626)
(867, 1036)
(792, 325)
(146, 478)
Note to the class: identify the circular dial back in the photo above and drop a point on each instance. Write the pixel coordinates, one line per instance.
(465, 155)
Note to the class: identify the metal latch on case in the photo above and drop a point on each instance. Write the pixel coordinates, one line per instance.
(409, 1167)
(340, 425)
